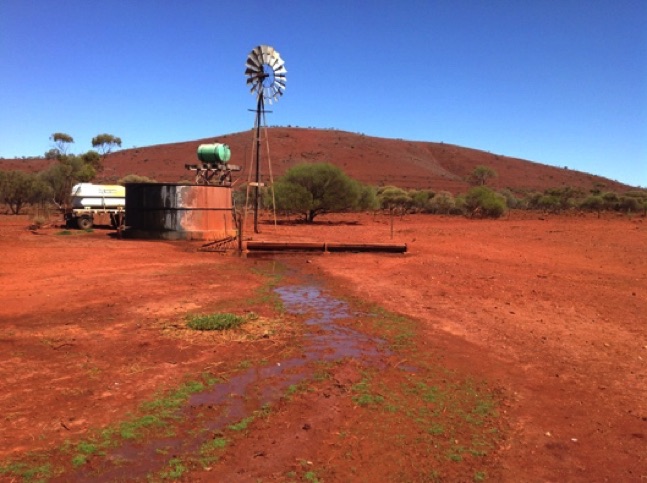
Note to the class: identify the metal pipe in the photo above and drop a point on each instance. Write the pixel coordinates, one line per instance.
(259, 109)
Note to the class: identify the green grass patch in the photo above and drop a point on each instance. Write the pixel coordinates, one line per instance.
(27, 472)
(175, 469)
(419, 407)
(214, 321)
(84, 450)
(363, 394)
(154, 417)
(242, 424)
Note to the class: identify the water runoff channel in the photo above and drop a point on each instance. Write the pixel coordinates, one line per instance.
(325, 340)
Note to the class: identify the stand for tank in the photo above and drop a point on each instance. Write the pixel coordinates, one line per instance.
(213, 174)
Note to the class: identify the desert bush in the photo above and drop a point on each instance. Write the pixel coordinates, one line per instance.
(393, 199)
(421, 200)
(442, 203)
(610, 200)
(549, 203)
(483, 202)
(367, 197)
(511, 200)
(629, 204)
(135, 178)
(593, 203)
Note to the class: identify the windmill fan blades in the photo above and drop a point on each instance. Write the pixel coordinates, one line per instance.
(252, 63)
(254, 73)
(264, 64)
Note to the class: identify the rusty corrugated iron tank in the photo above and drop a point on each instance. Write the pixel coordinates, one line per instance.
(173, 211)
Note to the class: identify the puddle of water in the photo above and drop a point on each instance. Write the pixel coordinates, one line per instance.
(234, 399)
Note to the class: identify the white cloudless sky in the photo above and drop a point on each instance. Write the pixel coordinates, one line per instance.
(557, 82)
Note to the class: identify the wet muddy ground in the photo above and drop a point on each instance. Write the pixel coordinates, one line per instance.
(508, 350)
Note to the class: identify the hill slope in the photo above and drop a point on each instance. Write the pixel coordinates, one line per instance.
(372, 160)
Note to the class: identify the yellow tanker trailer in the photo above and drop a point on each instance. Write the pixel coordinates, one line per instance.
(96, 204)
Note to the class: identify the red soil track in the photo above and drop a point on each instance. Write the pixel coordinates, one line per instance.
(552, 310)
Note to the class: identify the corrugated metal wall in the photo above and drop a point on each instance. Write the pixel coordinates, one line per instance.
(178, 212)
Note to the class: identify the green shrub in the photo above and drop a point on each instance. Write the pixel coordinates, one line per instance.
(483, 202)
(443, 203)
(592, 203)
(629, 204)
(135, 178)
(214, 321)
(511, 200)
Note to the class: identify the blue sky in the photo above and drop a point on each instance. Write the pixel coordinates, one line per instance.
(560, 82)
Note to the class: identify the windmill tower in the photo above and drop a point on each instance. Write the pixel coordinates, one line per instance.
(266, 74)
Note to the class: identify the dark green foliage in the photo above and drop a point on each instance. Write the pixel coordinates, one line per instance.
(482, 202)
(313, 189)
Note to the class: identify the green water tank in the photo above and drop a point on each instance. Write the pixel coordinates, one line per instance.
(214, 153)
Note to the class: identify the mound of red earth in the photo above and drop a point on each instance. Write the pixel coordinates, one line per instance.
(372, 160)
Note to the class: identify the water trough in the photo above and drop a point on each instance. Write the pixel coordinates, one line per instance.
(267, 246)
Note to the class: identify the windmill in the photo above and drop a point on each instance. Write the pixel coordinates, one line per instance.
(266, 74)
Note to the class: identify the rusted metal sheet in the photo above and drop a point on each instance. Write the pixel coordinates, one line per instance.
(179, 212)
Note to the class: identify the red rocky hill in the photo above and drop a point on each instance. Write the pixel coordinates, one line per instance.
(372, 160)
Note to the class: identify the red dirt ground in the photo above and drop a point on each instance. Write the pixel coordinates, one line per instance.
(550, 310)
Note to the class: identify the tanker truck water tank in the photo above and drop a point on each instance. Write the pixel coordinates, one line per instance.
(216, 153)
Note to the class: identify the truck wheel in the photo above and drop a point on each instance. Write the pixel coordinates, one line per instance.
(84, 223)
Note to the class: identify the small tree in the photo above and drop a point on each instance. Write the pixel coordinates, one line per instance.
(393, 199)
(61, 142)
(18, 188)
(105, 143)
(481, 175)
(69, 170)
(313, 189)
(65, 174)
